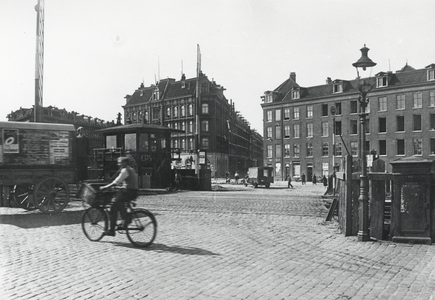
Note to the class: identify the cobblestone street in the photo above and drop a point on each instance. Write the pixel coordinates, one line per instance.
(236, 243)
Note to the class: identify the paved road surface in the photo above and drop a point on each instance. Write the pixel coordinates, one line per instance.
(238, 243)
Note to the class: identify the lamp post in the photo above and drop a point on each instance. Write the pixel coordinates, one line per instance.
(364, 87)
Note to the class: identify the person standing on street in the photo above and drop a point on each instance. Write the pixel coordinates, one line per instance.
(289, 181)
(303, 178)
(314, 179)
(236, 177)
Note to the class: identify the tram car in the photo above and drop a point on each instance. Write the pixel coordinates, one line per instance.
(149, 148)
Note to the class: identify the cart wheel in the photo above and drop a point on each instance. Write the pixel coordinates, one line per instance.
(51, 195)
(23, 196)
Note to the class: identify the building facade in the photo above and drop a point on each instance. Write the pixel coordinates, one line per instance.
(301, 133)
(209, 122)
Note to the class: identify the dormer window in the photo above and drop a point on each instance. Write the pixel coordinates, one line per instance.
(381, 79)
(268, 98)
(430, 75)
(337, 86)
(296, 94)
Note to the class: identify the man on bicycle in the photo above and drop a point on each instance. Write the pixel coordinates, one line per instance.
(127, 177)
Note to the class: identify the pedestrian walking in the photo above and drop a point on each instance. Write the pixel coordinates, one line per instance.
(236, 177)
(289, 181)
(303, 178)
(325, 181)
(314, 179)
(177, 181)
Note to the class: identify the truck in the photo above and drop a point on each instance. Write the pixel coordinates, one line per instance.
(260, 176)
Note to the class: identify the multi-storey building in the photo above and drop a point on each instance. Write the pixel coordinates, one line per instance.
(208, 121)
(299, 127)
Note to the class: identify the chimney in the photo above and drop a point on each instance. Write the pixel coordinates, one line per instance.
(293, 76)
(328, 80)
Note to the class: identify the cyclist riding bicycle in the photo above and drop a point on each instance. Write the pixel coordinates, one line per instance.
(127, 177)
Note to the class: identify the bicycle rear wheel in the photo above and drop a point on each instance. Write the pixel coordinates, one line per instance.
(94, 223)
(143, 228)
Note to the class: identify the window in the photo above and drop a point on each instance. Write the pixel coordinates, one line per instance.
(432, 98)
(190, 143)
(417, 146)
(278, 132)
(325, 149)
(183, 126)
(325, 128)
(269, 116)
(190, 126)
(430, 75)
(296, 113)
(382, 147)
(287, 150)
(296, 150)
(310, 130)
(382, 125)
(338, 108)
(130, 141)
(382, 103)
(204, 125)
(354, 148)
(183, 111)
(204, 108)
(296, 94)
(367, 125)
(287, 131)
(175, 112)
(269, 132)
(168, 112)
(175, 125)
(324, 110)
(400, 147)
(309, 112)
(432, 146)
(432, 121)
(417, 122)
(353, 107)
(296, 131)
(337, 88)
(309, 149)
(400, 121)
(353, 127)
(278, 115)
(286, 113)
(183, 144)
(269, 150)
(382, 81)
(338, 149)
(337, 127)
(400, 102)
(268, 98)
(278, 151)
(417, 100)
(204, 88)
(190, 109)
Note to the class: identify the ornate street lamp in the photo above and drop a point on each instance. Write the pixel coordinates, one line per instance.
(364, 87)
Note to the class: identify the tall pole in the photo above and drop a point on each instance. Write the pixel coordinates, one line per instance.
(39, 59)
(363, 230)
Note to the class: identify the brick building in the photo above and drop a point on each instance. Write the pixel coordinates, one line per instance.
(299, 126)
(210, 122)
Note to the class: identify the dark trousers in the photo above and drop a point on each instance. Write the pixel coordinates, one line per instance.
(118, 205)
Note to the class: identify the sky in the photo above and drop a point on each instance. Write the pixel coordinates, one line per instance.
(98, 51)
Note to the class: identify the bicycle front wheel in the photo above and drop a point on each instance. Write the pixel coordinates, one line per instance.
(143, 228)
(94, 223)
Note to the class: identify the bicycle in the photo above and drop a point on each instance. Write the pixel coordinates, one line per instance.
(140, 224)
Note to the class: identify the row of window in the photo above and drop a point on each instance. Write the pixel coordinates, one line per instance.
(182, 126)
(382, 106)
(417, 148)
(187, 144)
(353, 127)
(173, 111)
